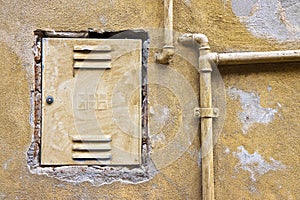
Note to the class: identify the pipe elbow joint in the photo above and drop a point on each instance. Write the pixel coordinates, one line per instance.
(166, 55)
(199, 38)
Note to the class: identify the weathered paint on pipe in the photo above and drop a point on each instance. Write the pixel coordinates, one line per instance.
(255, 57)
(168, 12)
(206, 58)
(167, 52)
(198, 38)
(205, 69)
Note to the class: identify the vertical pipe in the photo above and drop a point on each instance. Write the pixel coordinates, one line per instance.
(205, 70)
(168, 13)
(167, 52)
(206, 58)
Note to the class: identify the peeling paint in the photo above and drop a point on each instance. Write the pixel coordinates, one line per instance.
(227, 150)
(266, 18)
(252, 112)
(98, 175)
(5, 165)
(158, 116)
(159, 113)
(269, 88)
(188, 3)
(255, 163)
(158, 140)
(103, 20)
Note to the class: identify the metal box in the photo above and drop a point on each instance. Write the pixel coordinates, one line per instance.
(91, 101)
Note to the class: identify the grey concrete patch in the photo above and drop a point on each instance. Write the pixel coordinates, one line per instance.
(242, 7)
(267, 18)
(188, 3)
(97, 175)
(252, 112)
(255, 163)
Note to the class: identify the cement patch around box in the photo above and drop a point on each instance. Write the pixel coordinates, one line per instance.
(97, 175)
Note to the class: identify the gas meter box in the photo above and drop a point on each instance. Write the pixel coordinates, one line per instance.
(91, 101)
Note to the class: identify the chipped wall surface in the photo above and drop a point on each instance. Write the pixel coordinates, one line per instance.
(257, 151)
(258, 156)
(273, 19)
(252, 112)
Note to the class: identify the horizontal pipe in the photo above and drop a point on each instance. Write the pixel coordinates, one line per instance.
(256, 57)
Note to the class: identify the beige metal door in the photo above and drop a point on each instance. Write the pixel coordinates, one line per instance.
(91, 110)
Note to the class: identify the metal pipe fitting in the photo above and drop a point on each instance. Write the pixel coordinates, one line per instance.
(206, 59)
(165, 56)
(198, 38)
(167, 52)
(205, 86)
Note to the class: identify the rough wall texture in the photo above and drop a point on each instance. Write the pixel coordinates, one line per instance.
(257, 153)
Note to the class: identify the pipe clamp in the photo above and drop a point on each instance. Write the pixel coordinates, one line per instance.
(206, 112)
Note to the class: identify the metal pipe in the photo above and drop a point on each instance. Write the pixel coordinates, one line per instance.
(205, 86)
(189, 38)
(206, 59)
(167, 52)
(255, 57)
(168, 12)
(205, 71)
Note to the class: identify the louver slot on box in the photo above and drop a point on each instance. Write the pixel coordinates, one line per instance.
(92, 57)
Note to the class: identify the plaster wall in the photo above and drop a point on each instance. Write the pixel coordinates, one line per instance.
(257, 151)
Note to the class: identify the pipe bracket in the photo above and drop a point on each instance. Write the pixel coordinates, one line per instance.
(206, 112)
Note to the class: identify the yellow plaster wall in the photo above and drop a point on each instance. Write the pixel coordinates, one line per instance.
(181, 179)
